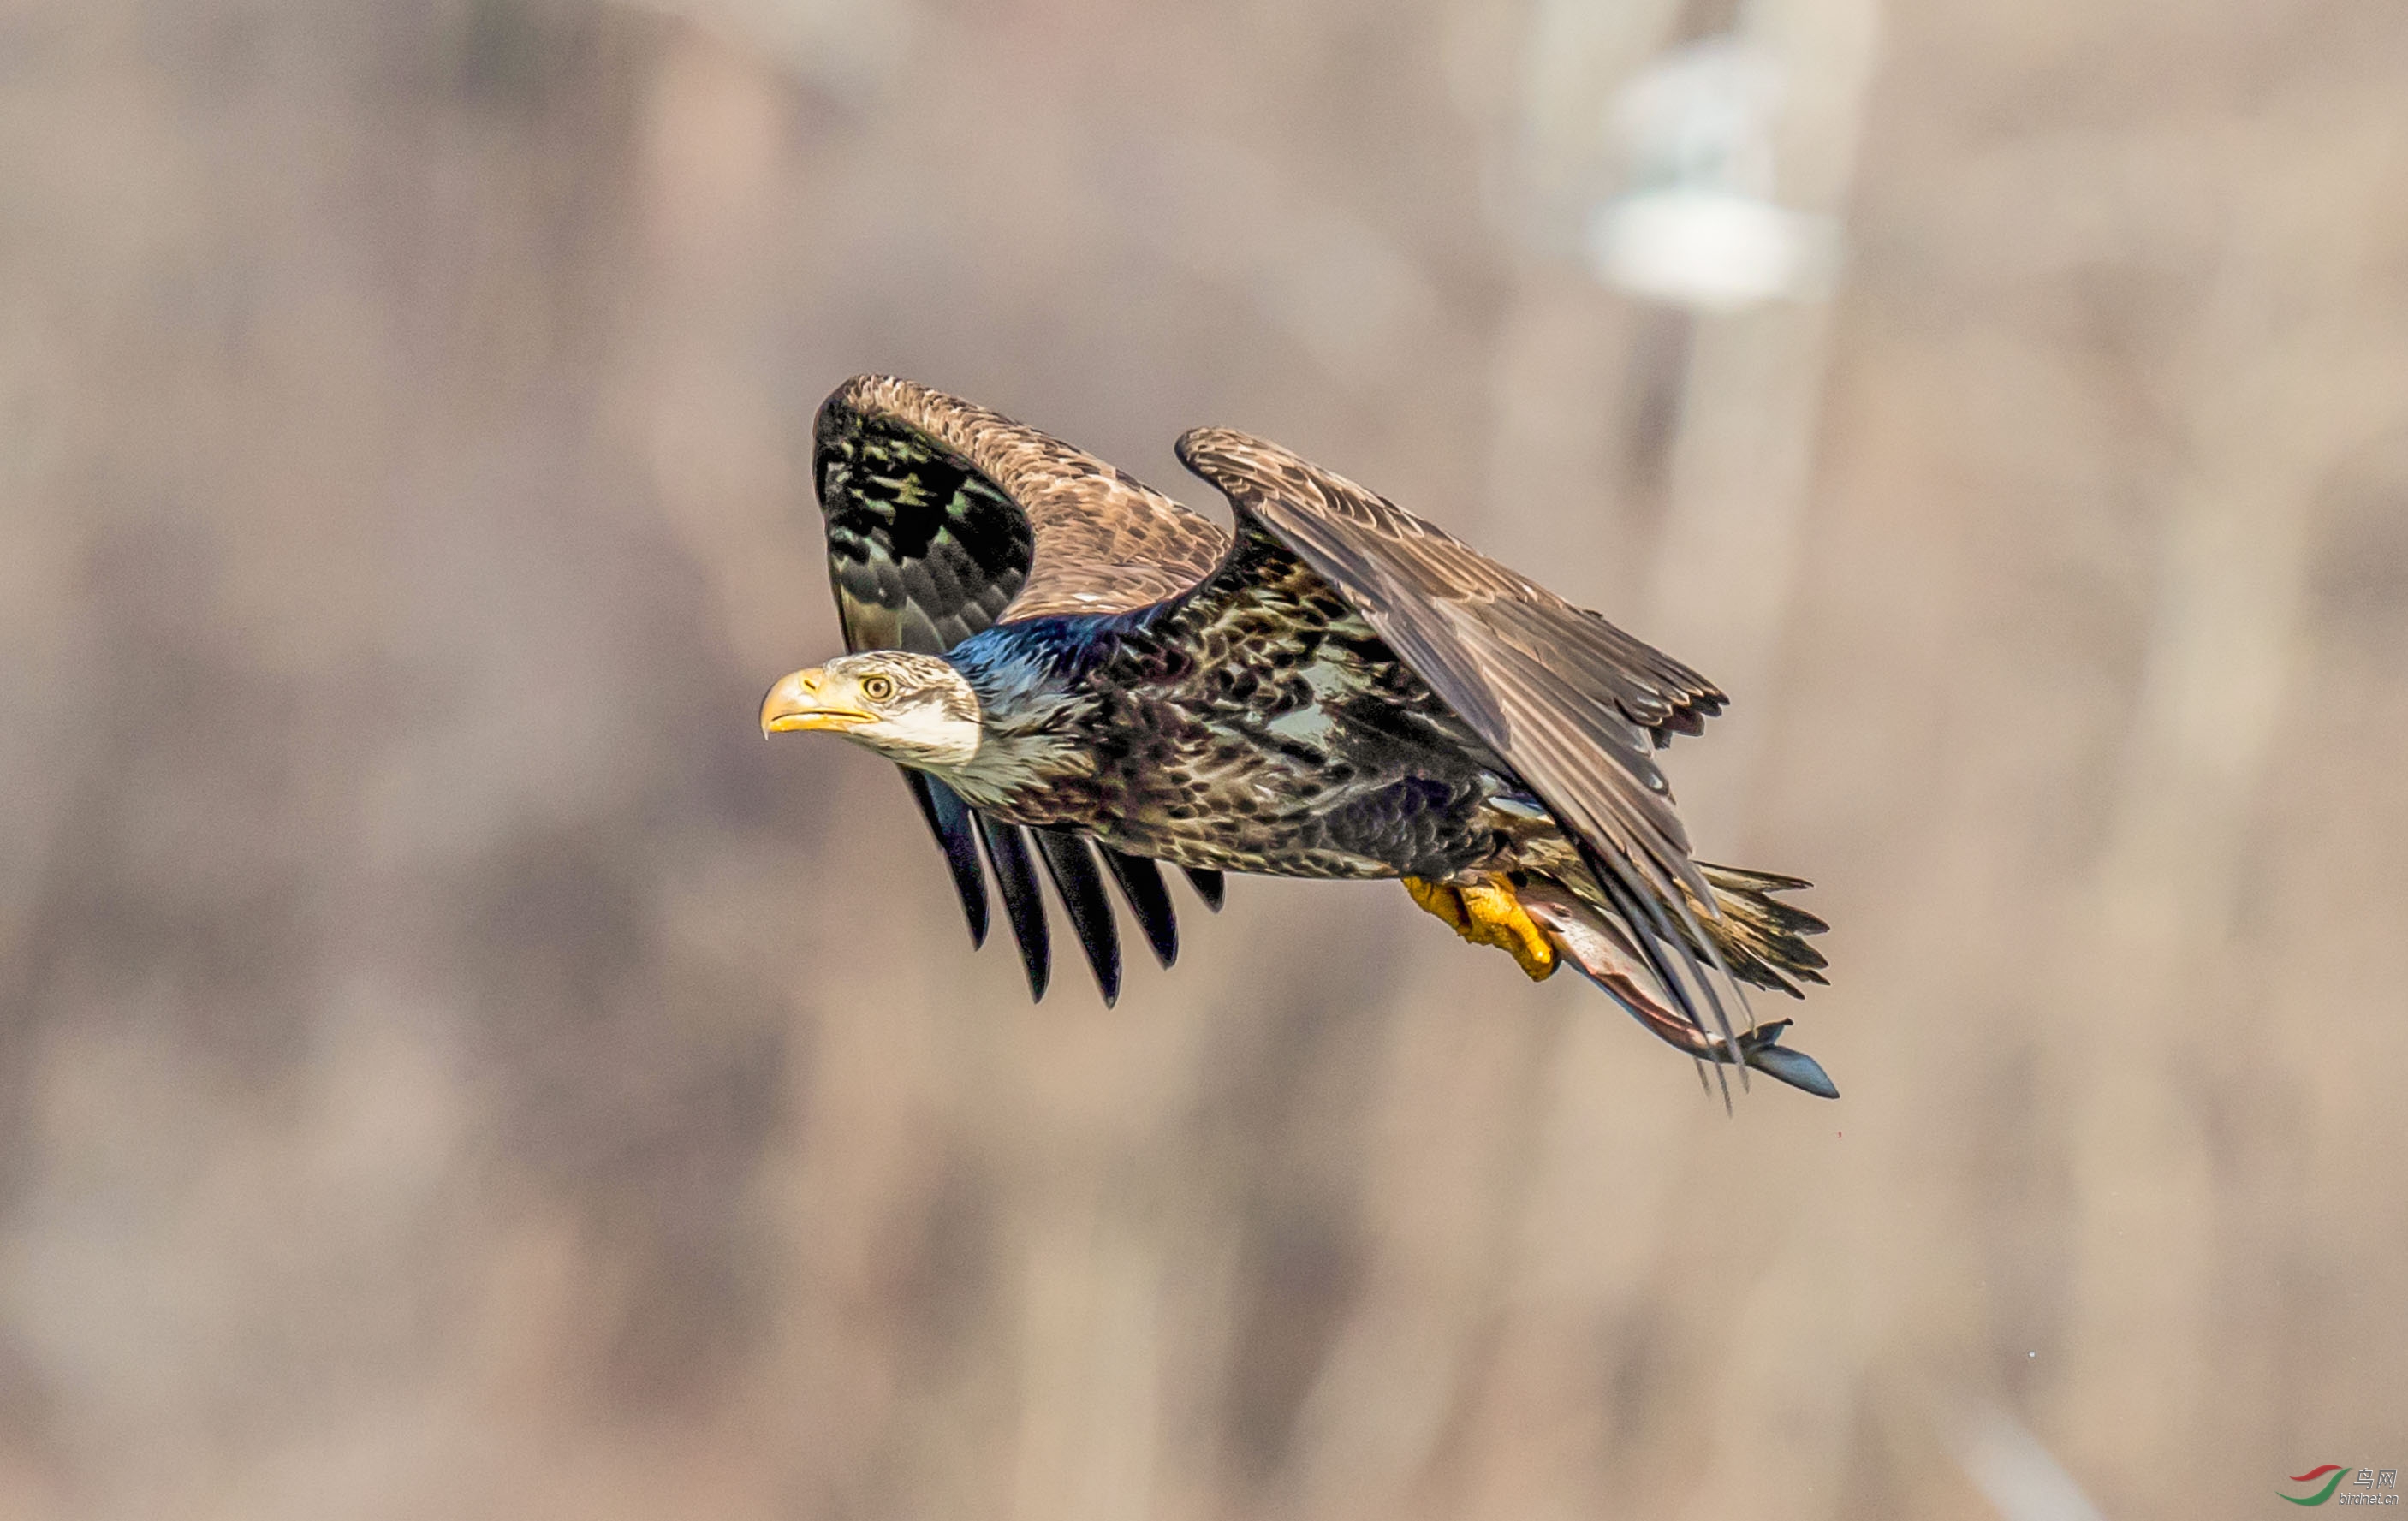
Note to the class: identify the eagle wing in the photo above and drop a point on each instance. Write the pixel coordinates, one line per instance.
(944, 518)
(1571, 704)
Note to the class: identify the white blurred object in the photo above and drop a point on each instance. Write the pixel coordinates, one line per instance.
(1697, 225)
(1714, 250)
(2013, 1472)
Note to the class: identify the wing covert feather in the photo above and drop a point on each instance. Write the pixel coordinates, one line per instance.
(944, 518)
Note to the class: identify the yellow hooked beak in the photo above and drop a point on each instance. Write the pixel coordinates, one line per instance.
(806, 699)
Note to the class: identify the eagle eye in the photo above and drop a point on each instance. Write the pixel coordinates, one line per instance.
(878, 688)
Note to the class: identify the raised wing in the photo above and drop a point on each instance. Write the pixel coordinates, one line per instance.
(944, 518)
(1572, 704)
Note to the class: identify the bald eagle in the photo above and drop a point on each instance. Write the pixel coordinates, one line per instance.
(1070, 667)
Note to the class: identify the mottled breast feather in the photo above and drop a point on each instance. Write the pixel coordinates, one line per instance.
(944, 518)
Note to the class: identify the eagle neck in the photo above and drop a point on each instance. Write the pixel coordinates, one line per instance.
(1035, 708)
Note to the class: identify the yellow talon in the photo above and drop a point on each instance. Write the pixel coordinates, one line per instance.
(1487, 913)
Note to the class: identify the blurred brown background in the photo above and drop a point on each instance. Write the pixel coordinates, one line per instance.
(450, 1066)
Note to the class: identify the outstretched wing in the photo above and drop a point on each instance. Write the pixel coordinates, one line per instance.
(944, 518)
(1572, 704)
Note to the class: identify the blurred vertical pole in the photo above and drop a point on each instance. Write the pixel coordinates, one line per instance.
(1750, 396)
(1719, 596)
(1554, 378)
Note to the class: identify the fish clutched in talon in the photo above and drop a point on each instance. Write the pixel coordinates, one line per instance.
(1543, 924)
(1074, 670)
(1595, 944)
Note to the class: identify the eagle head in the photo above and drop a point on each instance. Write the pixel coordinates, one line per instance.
(909, 708)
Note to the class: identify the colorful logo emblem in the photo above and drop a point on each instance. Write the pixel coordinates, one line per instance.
(2333, 1474)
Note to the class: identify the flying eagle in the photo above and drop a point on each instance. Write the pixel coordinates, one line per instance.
(1058, 655)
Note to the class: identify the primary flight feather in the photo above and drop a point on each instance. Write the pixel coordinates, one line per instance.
(1070, 667)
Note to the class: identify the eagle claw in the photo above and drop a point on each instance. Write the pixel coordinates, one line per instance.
(1486, 912)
